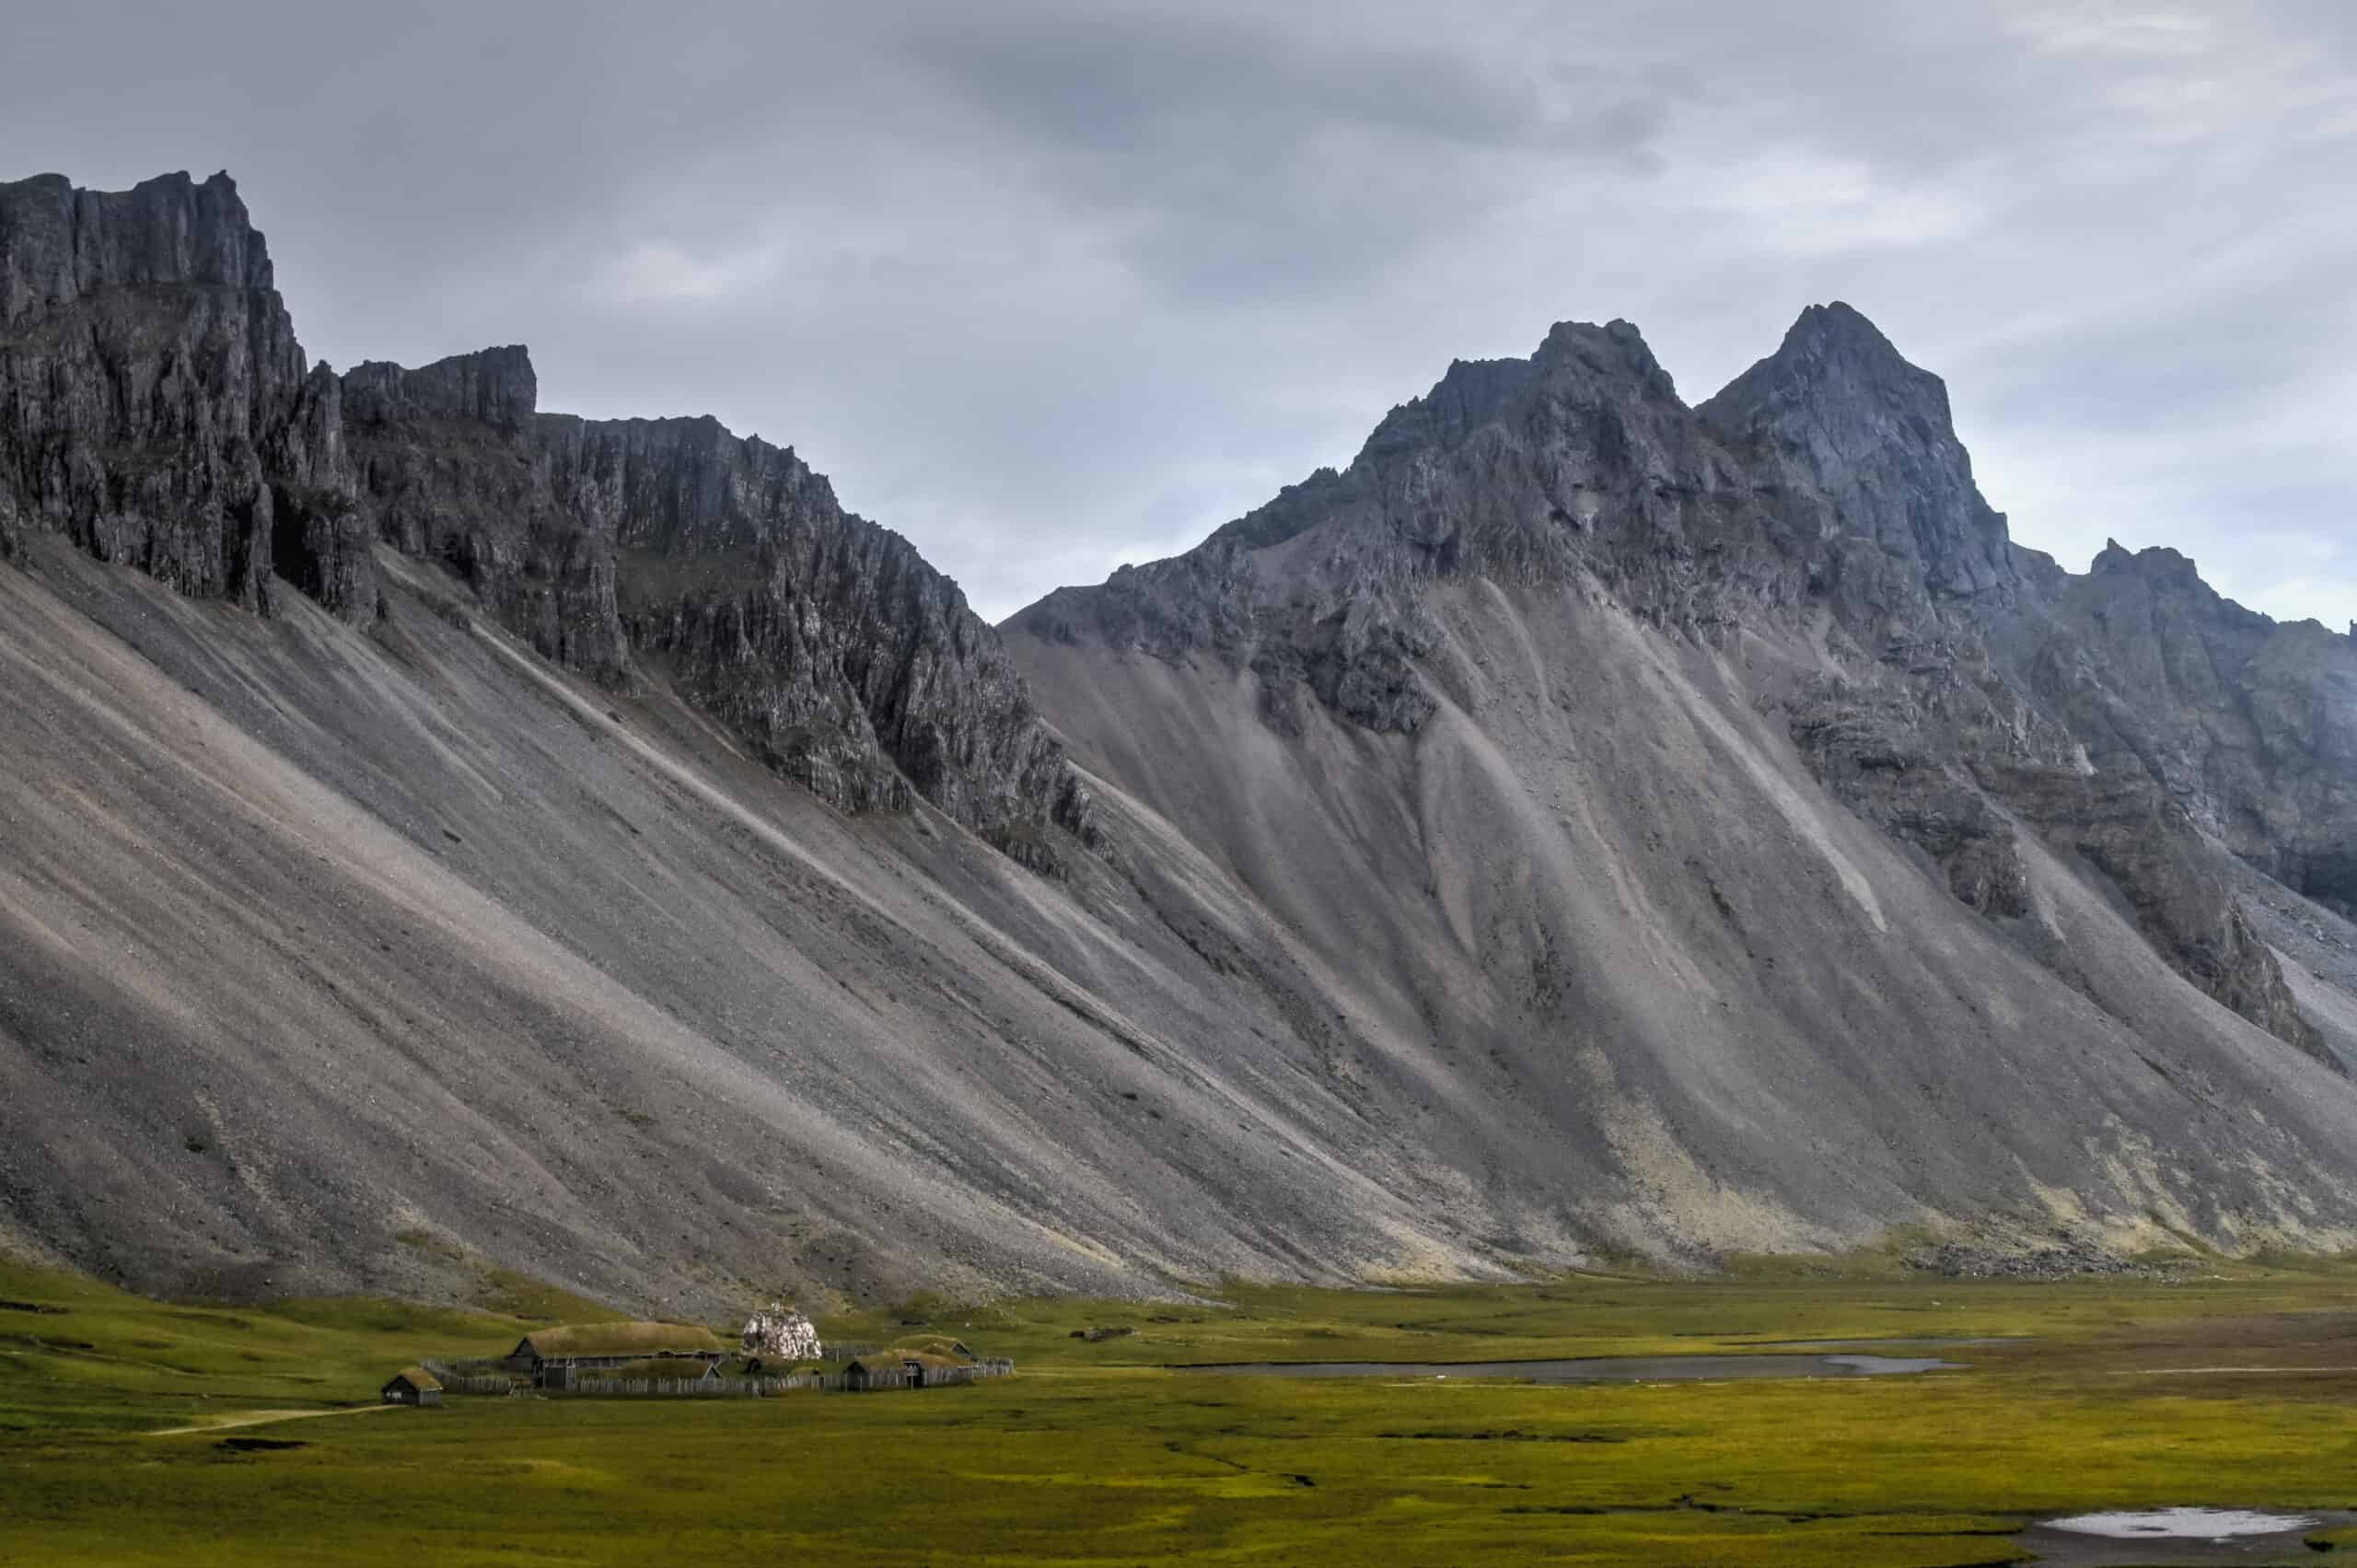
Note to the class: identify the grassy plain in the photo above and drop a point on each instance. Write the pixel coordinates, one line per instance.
(1098, 1454)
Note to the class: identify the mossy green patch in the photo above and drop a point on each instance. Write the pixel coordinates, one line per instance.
(1099, 1454)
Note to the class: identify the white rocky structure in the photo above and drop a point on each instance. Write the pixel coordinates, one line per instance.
(782, 1333)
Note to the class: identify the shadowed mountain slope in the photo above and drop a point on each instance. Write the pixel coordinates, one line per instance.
(437, 833)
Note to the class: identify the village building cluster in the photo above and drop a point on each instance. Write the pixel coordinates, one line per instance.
(555, 1358)
(779, 1349)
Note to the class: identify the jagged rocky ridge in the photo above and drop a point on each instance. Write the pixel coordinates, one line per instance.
(1973, 690)
(159, 413)
(154, 406)
(1587, 821)
(825, 642)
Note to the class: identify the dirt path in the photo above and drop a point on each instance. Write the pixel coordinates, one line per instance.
(262, 1418)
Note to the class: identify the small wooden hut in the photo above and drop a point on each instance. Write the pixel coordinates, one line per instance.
(918, 1367)
(412, 1386)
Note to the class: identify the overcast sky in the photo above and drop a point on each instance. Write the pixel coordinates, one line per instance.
(1052, 286)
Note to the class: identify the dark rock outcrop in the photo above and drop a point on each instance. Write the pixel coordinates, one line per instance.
(826, 640)
(2251, 726)
(450, 466)
(725, 564)
(154, 406)
(1898, 748)
(1841, 420)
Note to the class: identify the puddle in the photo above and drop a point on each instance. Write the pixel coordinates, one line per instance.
(2175, 1535)
(1929, 1341)
(1598, 1368)
(2182, 1524)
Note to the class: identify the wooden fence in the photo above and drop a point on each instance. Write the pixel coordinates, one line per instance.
(463, 1383)
(461, 1377)
(449, 1367)
(470, 1367)
(847, 1350)
(877, 1380)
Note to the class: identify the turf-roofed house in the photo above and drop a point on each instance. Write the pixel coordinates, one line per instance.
(553, 1357)
(904, 1368)
(412, 1386)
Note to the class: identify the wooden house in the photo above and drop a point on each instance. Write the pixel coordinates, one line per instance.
(412, 1386)
(924, 1366)
(552, 1358)
(917, 1367)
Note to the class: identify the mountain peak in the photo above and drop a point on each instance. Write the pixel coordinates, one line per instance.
(1616, 350)
(1834, 361)
(1853, 420)
(1836, 322)
(1578, 362)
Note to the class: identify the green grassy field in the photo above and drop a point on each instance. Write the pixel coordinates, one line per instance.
(1097, 1455)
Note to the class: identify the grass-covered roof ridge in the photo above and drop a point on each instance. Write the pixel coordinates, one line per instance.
(621, 1339)
(657, 1366)
(417, 1378)
(948, 1348)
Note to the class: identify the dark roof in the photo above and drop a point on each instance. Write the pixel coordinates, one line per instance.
(620, 1339)
(417, 1378)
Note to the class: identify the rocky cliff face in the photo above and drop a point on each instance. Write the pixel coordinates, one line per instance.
(450, 467)
(724, 564)
(2249, 724)
(156, 409)
(154, 406)
(826, 640)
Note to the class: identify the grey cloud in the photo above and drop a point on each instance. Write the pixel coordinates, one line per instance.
(1235, 153)
(1111, 81)
(1048, 285)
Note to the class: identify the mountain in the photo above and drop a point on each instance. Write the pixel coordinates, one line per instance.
(442, 835)
(1720, 802)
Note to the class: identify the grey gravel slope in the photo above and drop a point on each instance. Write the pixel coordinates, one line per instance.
(415, 940)
(1655, 990)
(436, 833)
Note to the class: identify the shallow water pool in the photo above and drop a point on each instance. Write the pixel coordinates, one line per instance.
(2182, 1536)
(2182, 1524)
(1596, 1368)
